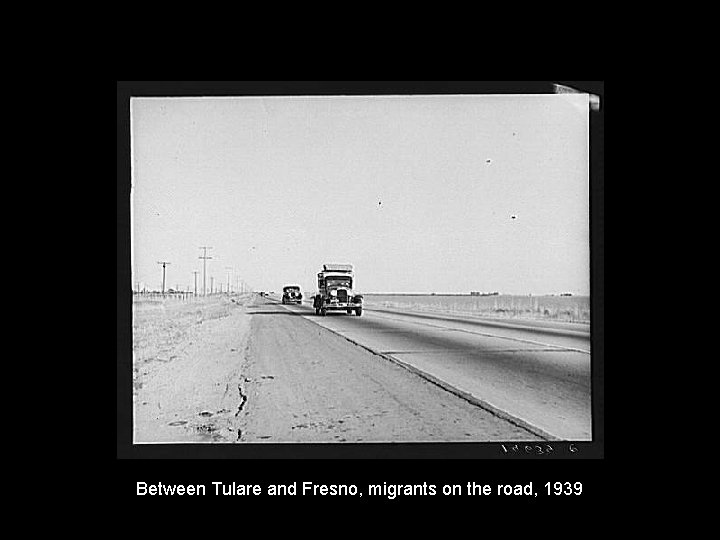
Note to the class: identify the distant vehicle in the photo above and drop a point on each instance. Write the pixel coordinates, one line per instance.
(335, 290)
(291, 294)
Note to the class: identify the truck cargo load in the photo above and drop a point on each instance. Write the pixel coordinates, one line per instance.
(337, 267)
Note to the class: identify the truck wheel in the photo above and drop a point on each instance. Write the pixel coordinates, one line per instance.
(358, 311)
(323, 311)
(349, 311)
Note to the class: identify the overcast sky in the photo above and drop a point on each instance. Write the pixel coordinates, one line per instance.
(420, 194)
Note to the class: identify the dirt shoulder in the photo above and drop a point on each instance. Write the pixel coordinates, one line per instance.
(186, 370)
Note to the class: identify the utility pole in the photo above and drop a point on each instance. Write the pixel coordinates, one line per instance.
(163, 283)
(195, 273)
(228, 278)
(204, 257)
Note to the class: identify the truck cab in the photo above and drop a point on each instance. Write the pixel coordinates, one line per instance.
(335, 290)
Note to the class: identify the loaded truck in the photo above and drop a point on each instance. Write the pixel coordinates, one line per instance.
(335, 290)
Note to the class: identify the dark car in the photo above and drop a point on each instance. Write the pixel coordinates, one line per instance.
(291, 295)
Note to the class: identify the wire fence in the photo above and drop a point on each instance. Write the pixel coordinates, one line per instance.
(560, 308)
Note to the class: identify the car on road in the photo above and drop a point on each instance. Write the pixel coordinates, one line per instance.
(291, 294)
(335, 290)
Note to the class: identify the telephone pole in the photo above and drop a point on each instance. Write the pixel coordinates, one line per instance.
(163, 283)
(228, 278)
(204, 257)
(195, 273)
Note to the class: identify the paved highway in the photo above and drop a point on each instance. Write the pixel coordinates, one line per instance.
(302, 382)
(533, 374)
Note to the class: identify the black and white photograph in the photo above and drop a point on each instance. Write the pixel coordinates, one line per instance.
(380, 268)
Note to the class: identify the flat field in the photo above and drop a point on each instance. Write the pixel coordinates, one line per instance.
(558, 308)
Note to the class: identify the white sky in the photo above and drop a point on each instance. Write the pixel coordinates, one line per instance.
(418, 193)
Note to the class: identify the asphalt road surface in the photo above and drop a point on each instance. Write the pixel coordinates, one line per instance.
(305, 383)
(534, 374)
